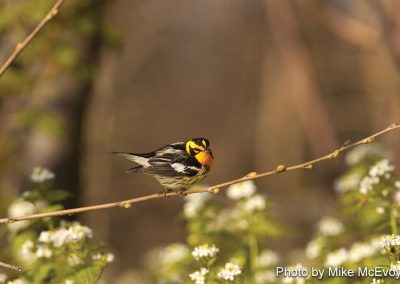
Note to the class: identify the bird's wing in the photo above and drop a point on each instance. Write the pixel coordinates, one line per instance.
(172, 163)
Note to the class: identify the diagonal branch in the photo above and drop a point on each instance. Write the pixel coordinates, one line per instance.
(10, 266)
(212, 189)
(21, 45)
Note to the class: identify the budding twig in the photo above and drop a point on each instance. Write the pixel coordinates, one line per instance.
(212, 189)
(21, 45)
(10, 266)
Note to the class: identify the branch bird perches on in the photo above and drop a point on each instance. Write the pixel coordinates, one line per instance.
(211, 189)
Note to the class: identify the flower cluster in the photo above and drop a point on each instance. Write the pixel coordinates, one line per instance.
(20, 207)
(369, 193)
(336, 258)
(229, 272)
(205, 251)
(254, 203)
(329, 226)
(381, 169)
(356, 253)
(238, 227)
(363, 153)
(391, 244)
(241, 190)
(66, 233)
(62, 247)
(199, 277)
(41, 175)
(194, 204)
(172, 253)
(107, 257)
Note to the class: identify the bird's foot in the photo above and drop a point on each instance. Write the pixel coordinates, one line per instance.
(182, 193)
(165, 192)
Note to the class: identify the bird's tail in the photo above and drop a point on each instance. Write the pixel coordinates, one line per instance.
(137, 158)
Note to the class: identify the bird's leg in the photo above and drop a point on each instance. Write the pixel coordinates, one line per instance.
(182, 192)
(165, 192)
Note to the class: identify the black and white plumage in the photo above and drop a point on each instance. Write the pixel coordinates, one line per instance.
(176, 166)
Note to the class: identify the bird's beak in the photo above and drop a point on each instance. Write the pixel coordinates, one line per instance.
(205, 158)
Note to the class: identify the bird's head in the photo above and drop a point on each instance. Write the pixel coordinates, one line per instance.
(199, 148)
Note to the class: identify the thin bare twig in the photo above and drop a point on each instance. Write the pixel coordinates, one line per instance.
(212, 189)
(21, 45)
(10, 266)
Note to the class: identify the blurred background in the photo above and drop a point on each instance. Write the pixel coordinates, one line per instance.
(267, 82)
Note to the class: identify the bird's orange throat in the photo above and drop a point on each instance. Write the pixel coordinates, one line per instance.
(205, 158)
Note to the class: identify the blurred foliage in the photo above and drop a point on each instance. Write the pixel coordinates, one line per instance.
(51, 250)
(59, 58)
(56, 51)
(363, 236)
(226, 238)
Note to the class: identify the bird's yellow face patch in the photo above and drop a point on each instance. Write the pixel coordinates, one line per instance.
(192, 147)
(200, 151)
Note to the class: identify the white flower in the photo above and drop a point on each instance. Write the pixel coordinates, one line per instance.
(380, 210)
(74, 260)
(389, 242)
(205, 251)
(241, 190)
(268, 258)
(381, 168)
(254, 203)
(173, 253)
(40, 174)
(19, 208)
(97, 256)
(77, 232)
(194, 203)
(336, 258)
(359, 251)
(313, 249)
(26, 252)
(229, 272)
(43, 251)
(3, 278)
(377, 281)
(348, 182)
(329, 226)
(362, 152)
(108, 257)
(367, 184)
(72, 233)
(397, 184)
(17, 281)
(45, 237)
(69, 281)
(199, 276)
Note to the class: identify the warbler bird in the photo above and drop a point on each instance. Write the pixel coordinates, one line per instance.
(176, 166)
